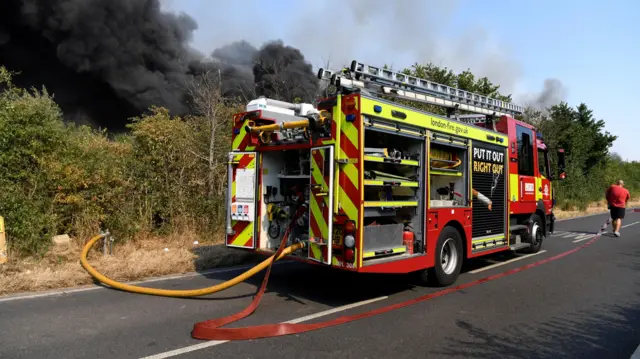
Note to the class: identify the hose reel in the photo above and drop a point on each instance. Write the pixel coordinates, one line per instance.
(316, 123)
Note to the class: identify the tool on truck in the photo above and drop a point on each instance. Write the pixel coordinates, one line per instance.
(370, 170)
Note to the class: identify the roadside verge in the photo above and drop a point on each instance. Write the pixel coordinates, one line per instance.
(229, 260)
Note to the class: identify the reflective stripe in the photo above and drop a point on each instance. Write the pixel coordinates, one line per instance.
(243, 236)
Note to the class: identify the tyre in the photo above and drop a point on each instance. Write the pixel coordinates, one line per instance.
(537, 235)
(448, 258)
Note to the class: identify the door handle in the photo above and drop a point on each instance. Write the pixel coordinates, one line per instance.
(521, 189)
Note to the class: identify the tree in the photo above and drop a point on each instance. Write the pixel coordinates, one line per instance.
(213, 116)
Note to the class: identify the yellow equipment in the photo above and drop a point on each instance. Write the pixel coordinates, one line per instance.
(313, 122)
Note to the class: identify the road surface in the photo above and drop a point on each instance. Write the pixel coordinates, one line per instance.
(584, 305)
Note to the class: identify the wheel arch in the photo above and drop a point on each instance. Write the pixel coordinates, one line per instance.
(463, 236)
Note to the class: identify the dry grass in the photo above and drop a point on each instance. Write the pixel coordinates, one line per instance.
(135, 260)
(143, 258)
(596, 207)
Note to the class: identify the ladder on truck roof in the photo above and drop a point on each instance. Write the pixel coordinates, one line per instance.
(412, 88)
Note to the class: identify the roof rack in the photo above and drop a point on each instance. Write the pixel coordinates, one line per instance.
(399, 85)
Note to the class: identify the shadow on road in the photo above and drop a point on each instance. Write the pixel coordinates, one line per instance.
(302, 282)
(218, 255)
(609, 332)
(632, 260)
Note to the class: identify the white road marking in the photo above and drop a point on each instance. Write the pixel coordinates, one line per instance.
(630, 224)
(504, 263)
(558, 233)
(212, 343)
(569, 235)
(151, 280)
(584, 237)
(636, 354)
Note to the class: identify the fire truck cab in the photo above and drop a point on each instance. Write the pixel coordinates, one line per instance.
(374, 185)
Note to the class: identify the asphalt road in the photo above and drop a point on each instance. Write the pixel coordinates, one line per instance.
(584, 305)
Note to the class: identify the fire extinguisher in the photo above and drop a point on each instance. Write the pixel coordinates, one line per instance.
(408, 238)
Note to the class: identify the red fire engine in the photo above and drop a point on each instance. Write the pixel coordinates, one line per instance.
(370, 184)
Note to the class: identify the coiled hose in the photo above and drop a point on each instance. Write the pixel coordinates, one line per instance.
(282, 252)
(443, 155)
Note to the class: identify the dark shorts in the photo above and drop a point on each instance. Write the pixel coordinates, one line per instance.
(617, 212)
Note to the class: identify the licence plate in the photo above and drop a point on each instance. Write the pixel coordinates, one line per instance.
(337, 235)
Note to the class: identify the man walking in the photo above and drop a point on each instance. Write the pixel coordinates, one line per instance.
(617, 197)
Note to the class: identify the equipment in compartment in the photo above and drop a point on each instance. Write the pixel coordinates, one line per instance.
(444, 159)
(296, 164)
(408, 238)
(447, 164)
(388, 177)
(394, 184)
(280, 214)
(285, 180)
(392, 154)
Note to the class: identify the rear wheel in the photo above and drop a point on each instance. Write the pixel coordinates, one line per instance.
(448, 258)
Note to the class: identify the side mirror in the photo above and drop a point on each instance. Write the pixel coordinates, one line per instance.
(561, 165)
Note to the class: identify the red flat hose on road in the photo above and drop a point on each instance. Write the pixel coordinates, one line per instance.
(211, 329)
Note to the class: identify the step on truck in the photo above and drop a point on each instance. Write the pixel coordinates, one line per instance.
(371, 184)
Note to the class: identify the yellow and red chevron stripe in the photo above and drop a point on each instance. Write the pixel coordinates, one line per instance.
(334, 128)
(319, 206)
(240, 139)
(348, 189)
(243, 235)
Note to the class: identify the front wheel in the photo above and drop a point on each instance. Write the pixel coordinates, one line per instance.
(448, 258)
(536, 236)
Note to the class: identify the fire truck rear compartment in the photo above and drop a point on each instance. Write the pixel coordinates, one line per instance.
(285, 186)
(393, 190)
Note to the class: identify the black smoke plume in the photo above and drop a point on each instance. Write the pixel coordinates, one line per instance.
(107, 60)
(281, 71)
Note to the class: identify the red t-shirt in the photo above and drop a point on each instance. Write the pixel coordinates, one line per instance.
(617, 196)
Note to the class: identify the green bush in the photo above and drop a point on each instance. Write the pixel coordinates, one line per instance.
(60, 178)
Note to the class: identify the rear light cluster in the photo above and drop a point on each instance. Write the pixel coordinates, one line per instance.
(349, 241)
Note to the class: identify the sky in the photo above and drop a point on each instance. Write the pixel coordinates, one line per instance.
(587, 48)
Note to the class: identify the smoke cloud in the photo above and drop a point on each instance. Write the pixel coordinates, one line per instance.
(397, 33)
(107, 60)
(552, 93)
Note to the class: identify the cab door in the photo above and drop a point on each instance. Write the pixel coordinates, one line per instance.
(321, 203)
(526, 165)
(543, 186)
